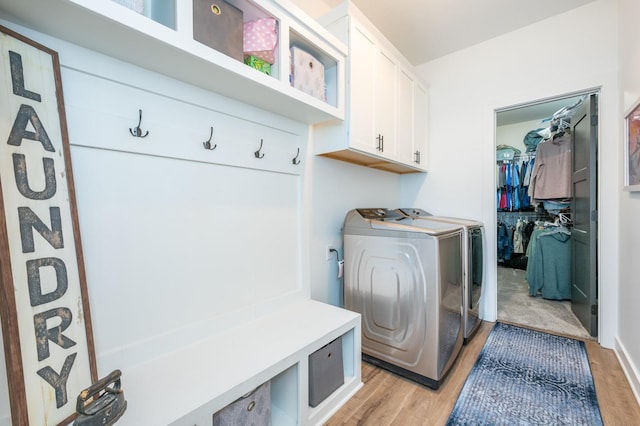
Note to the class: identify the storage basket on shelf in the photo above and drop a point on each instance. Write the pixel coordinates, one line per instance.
(326, 372)
(253, 408)
(218, 25)
(307, 73)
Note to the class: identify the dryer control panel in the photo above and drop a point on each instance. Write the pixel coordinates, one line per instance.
(380, 214)
(414, 213)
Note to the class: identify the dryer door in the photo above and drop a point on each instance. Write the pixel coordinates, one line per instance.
(385, 282)
(475, 261)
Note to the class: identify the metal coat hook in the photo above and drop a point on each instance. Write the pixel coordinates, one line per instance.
(137, 131)
(207, 144)
(257, 153)
(295, 160)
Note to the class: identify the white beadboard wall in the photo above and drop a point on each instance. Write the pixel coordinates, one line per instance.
(176, 245)
(177, 248)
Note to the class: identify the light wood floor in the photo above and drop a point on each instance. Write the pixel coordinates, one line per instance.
(388, 399)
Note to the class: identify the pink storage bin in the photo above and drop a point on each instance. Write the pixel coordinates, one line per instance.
(260, 39)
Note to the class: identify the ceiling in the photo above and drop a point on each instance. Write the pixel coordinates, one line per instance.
(424, 30)
(538, 111)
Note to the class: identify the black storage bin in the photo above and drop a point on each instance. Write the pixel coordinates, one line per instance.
(253, 408)
(325, 371)
(219, 25)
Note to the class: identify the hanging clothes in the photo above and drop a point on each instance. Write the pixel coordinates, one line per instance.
(527, 176)
(518, 237)
(505, 242)
(549, 263)
(515, 185)
(502, 180)
(511, 192)
(551, 174)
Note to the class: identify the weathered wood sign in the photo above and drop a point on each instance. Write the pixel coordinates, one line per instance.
(44, 307)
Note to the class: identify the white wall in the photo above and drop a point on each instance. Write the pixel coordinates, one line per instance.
(627, 343)
(564, 54)
(337, 188)
(177, 249)
(513, 134)
(333, 188)
(313, 8)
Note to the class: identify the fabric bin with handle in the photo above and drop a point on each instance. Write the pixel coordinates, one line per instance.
(326, 372)
(253, 408)
(260, 38)
(307, 73)
(219, 25)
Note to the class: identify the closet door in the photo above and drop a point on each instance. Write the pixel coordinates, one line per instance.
(584, 286)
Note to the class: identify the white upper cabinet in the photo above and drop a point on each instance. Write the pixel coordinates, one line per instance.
(161, 39)
(362, 62)
(405, 131)
(411, 130)
(382, 128)
(420, 121)
(386, 103)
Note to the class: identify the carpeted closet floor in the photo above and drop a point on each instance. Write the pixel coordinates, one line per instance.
(517, 307)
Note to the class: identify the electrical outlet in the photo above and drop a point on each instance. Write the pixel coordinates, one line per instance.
(328, 252)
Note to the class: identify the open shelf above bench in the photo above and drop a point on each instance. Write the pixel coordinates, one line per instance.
(163, 42)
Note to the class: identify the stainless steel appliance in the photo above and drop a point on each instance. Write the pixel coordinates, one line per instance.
(473, 265)
(404, 277)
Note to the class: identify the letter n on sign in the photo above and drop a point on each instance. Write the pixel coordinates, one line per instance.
(46, 322)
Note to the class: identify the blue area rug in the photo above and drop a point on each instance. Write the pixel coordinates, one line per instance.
(526, 377)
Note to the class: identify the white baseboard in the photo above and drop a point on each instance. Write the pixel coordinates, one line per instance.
(630, 370)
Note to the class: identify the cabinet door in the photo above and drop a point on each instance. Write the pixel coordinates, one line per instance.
(421, 115)
(385, 104)
(362, 55)
(405, 127)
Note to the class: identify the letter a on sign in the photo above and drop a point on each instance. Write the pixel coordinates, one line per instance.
(46, 322)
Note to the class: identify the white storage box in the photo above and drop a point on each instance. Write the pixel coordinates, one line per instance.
(307, 73)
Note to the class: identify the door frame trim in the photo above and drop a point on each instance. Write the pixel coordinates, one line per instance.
(493, 226)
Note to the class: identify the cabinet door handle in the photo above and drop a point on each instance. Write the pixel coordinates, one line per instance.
(380, 146)
(417, 157)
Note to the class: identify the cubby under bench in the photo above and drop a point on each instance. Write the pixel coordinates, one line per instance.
(189, 385)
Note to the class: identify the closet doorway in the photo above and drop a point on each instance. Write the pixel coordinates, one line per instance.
(546, 203)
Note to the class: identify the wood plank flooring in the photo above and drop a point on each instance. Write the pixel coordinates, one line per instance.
(388, 399)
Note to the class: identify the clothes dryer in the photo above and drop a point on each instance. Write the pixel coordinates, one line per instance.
(473, 265)
(404, 277)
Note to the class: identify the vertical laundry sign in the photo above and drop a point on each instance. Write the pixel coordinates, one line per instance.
(46, 323)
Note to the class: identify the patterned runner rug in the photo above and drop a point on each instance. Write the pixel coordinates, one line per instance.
(526, 377)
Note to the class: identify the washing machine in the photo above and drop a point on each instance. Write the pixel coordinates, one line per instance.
(404, 277)
(473, 265)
